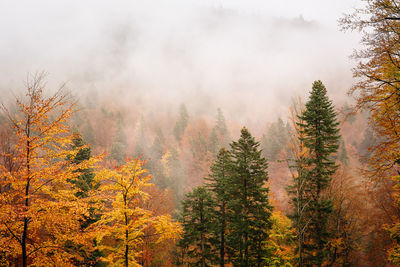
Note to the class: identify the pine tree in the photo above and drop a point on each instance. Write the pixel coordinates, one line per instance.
(275, 140)
(343, 157)
(141, 146)
(181, 123)
(84, 182)
(320, 135)
(249, 203)
(197, 221)
(213, 143)
(218, 185)
(219, 135)
(119, 145)
(297, 166)
(155, 164)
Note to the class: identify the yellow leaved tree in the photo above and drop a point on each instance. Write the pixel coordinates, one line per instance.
(39, 212)
(378, 90)
(125, 222)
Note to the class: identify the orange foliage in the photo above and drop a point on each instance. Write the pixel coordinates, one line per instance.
(39, 212)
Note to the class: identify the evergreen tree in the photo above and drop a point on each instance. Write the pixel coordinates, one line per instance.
(213, 143)
(175, 173)
(218, 184)
(84, 182)
(219, 135)
(141, 146)
(343, 157)
(251, 211)
(220, 125)
(88, 133)
(181, 123)
(119, 145)
(197, 221)
(320, 135)
(155, 164)
(275, 140)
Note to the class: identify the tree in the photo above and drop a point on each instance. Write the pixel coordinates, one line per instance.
(343, 158)
(274, 140)
(219, 135)
(281, 241)
(40, 211)
(118, 147)
(197, 219)
(378, 90)
(251, 211)
(85, 181)
(181, 123)
(298, 189)
(320, 136)
(141, 146)
(155, 165)
(85, 185)
(174, 172)
(121, 228)
(218, 184)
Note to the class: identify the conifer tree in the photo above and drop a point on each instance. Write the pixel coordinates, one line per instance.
(84, 182)
(218, 185)
(343, 157)
(219, 135)
(297, 166)
(249, 203)
(155, 164)
(213, 143)
(119, 144)
(197, 221)
(320, 135)
(181, 123)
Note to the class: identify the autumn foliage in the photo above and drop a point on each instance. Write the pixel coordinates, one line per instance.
(45, 217)
(39, 211)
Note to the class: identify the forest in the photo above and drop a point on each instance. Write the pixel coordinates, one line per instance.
(87, 180)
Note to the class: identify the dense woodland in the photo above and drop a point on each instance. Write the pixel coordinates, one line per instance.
(87, 182)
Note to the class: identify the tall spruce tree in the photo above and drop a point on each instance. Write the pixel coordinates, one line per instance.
(249, 203)
(219, 136)
(197, 221)
(181, 123)
(84, 183)
(320, 135)
(218, 184)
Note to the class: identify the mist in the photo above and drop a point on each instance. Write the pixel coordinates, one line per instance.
(248, 61)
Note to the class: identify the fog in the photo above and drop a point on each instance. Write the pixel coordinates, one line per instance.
(247, 57)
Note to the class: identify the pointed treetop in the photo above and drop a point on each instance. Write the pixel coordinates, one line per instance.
(318, 86)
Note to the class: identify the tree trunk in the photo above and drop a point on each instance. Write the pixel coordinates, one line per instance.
(222, 248)
(126, 233)
(26, 219)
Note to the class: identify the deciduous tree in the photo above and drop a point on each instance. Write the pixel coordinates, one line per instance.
(39, 210)
(121, 228)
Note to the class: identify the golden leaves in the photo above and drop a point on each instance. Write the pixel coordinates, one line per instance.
(125, 222)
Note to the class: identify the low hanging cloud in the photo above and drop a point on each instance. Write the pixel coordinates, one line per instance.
(157, 53)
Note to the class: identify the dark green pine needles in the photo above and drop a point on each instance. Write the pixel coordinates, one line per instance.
(233, 227)
(320, 135)
(249, 203)
(197, 219)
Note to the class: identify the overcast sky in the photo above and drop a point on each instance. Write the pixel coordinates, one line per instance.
(235, 54)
